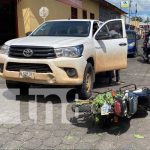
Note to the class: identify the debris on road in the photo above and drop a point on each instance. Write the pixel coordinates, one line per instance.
(138, 136)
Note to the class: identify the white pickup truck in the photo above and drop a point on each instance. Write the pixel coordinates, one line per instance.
(65, 52)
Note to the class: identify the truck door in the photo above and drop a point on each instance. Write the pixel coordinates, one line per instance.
(111, 46)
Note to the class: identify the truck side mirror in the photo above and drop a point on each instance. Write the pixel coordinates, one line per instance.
(28, 33)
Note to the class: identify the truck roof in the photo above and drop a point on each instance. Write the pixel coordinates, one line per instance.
(91, 20)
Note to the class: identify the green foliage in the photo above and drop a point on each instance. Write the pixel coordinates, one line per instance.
(119, 94)
(101, 99)
(98, 102)
(147, 20)
(140, 19)
(97, 118)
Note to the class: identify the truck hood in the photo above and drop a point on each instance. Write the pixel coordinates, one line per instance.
(55, 42)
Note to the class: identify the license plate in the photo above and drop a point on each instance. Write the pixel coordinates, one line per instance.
(105, 109)
(26, 74)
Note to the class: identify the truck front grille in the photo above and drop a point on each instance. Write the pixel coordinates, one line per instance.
(39, 68)
(37, 52)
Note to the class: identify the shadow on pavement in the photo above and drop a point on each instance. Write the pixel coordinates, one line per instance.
(86, 121)
(142, 60)
(42, 95)
(141, 113)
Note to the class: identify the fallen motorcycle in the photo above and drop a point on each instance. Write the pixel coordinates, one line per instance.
(110, 105)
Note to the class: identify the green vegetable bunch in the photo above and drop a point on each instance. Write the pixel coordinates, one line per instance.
(101, 99)
(119, 94)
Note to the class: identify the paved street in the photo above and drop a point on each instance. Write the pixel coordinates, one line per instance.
(27, 124)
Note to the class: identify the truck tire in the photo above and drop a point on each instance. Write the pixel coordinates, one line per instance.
(88, 81)
(17, 85)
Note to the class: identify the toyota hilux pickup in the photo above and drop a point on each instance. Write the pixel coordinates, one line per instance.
(66, 52)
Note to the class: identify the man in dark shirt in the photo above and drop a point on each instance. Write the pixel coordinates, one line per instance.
(147, 45)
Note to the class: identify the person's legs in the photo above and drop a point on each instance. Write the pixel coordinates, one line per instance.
(117, 76)
(110, 77)
(147, 52)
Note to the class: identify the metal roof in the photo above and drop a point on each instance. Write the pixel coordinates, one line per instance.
(106, 4)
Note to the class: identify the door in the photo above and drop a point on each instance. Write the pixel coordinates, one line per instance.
(8, 20)
(111, 46)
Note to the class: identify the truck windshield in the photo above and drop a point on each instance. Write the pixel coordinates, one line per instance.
(64, 28)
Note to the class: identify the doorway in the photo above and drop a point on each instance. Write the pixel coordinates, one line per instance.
(8, 20)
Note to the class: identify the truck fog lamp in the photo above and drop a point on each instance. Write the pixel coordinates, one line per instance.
(71, 72)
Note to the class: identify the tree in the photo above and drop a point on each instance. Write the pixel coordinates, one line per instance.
(147, 20)
(140, 19)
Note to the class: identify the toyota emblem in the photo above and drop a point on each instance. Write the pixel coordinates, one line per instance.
(28, 52)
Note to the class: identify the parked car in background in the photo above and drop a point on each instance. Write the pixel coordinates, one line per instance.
(132, 38)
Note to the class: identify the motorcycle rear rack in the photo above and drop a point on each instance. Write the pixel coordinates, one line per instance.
(130, 87)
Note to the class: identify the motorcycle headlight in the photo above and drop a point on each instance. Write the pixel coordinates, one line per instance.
(74, 51)
(132, 44)
(4, 49)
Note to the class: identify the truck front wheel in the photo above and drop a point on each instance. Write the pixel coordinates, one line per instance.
(88, 81)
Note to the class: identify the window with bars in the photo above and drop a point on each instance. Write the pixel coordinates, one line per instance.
(84, 13)
(74, 13)
(92, 16)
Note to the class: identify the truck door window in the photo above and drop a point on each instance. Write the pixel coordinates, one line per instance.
(103, 33)
(115, 29)
(104, 30)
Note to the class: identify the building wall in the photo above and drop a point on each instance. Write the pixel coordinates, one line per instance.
(124, 17)
(107, 14)
(92, 7)
(28, 12)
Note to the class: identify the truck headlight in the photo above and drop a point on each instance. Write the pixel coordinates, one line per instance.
(132, 44)
(74, 51)
(4, 49)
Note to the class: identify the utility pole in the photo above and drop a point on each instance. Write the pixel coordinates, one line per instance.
(135, 15)
(130, 1)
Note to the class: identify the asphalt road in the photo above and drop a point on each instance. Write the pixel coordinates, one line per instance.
(34, 123)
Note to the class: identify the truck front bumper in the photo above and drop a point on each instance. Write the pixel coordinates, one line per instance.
(57, 75)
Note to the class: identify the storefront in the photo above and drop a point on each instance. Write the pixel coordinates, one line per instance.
(8, 20)
(28, 11)
(21, 16)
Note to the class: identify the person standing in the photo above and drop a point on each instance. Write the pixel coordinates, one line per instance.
(117, 76)
(146, 47)
(117, 73)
